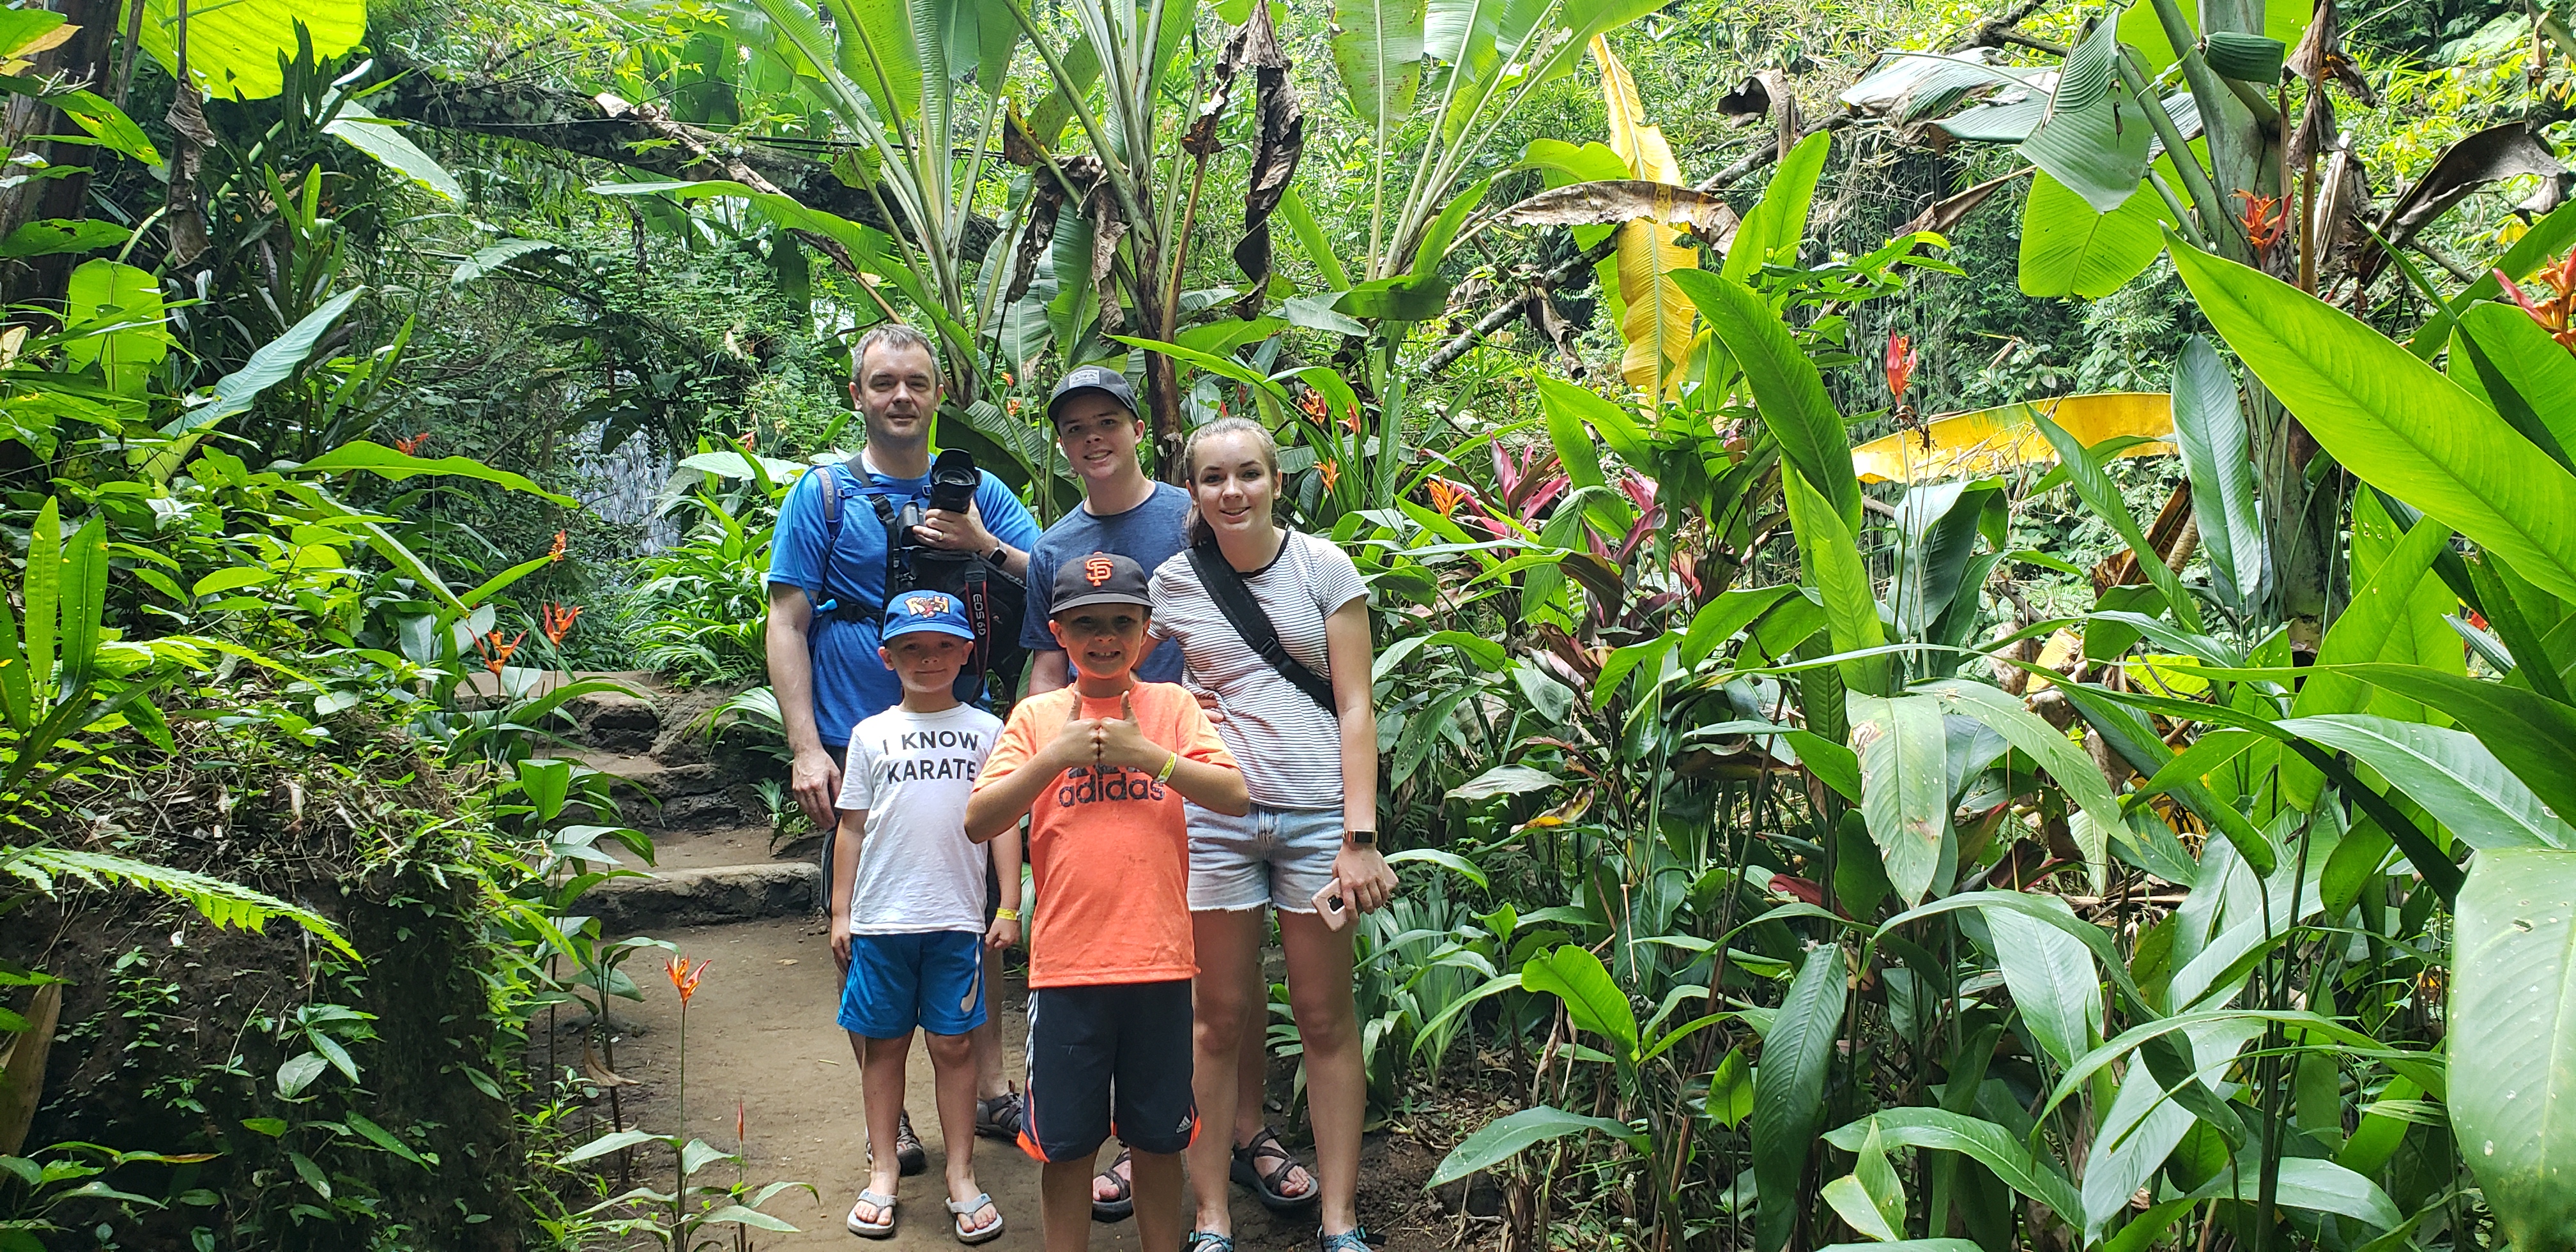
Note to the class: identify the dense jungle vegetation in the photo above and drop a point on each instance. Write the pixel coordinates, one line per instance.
(1975, 603)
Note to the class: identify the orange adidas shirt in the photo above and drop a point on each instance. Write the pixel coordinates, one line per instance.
(1110, 850)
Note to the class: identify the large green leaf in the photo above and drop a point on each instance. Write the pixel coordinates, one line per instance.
(2209, 432)
(236, 48)
(1593, 1000)
(375, 458)
(1871, 1197)
(382, 140)
(2321, 1186)
(1832, 559)
(1505, 1137)
(2534, 737)
(2084, 471)
(1377, 51)
(2074, 771)
(2510, 352)
(1989, 1144)
(2456, 778)
(1904, 787)
(1789, 1087)
(113, 317)
(2095, 138)
(1777, 223)
(2070, 248)
(2394, 421)
(2372, 628)
(1785, 385)
(267, 367)
(2512, 1023)
(2052, 980)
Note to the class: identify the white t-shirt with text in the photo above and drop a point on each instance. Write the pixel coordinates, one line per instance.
(912, 773)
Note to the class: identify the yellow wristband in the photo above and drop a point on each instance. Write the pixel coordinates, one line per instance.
(1168, 766)
(1006, 915)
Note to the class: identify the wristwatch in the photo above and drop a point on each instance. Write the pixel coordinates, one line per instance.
(1361, 838)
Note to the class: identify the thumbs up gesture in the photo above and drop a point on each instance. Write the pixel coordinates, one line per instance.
(1076, 741)
(1121, 742)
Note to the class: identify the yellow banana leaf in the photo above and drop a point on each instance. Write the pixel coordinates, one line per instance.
(1655, 318)
(1990, 441)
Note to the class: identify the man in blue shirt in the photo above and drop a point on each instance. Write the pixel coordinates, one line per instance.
(823, 664)
(1093, 411)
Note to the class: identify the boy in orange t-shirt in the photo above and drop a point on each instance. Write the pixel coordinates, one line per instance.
(1102, 767)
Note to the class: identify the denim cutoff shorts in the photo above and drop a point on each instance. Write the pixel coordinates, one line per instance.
(1279, 857)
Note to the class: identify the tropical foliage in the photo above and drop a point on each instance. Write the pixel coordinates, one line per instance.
(1857, 780)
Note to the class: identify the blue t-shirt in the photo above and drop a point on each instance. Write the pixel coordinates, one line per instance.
(851, 684)
(1148, 534)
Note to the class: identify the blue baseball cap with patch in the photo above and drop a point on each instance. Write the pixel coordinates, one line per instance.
(926, 610)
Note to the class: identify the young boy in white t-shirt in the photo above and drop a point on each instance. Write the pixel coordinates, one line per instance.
(908, 906)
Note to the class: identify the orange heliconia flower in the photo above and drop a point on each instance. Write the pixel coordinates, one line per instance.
(1332, 474)
(1351, 420)
(1315, 406)
(556, 620)
(557, 552)
(412, 445)
(1901, 358)
(684, 978)
(2557, 316)
(496, 653)
(1446, 496)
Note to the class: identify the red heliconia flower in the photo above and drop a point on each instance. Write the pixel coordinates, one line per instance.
(555, 621)
(737, 1125)
(743, 440)
(2264, 220)
(1446, 496)
(557, 552)
(683, 978)
(1351, 420)
(1900, 364)
(1315, 406)
(411, 446)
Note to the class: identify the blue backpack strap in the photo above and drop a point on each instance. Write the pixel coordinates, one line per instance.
(832, 492)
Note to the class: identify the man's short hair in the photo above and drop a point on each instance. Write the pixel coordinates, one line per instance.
(894, 335)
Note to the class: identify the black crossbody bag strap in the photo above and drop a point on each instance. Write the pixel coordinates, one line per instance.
(1225, 585)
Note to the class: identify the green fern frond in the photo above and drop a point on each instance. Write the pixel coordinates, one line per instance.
(221, 902)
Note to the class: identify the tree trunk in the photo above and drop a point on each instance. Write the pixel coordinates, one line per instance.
(83, 60)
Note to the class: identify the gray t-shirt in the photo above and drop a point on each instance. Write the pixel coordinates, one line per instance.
(1289, 747)
(1147, 534)
(912, 774)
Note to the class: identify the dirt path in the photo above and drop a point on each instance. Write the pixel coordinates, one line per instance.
(761, 1033)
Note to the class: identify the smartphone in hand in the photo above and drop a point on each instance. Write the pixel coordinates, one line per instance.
(1333, 906)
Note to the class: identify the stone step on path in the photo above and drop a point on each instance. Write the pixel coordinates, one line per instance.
(714, 860)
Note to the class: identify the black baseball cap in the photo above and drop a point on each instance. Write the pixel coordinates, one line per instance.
(1100, 378)
(1100, 578)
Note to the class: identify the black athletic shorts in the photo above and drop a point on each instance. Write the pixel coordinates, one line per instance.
(1112, 1059)
(992, 872)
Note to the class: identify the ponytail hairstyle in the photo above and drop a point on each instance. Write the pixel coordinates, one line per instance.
(1195, 529)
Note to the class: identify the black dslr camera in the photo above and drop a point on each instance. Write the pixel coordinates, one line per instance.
(953, 479)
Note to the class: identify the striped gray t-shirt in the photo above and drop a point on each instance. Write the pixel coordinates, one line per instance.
(1290, 748)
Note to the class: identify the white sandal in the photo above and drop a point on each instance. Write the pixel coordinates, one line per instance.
(873, 1230)
(958, 1211)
